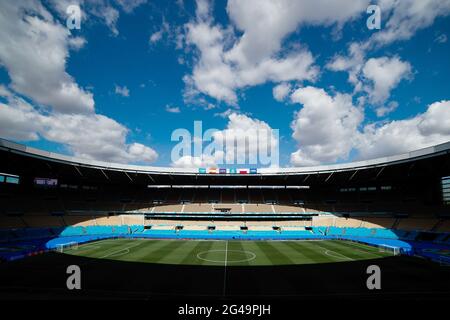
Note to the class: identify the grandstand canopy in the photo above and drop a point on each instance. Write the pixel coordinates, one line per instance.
(17, 159)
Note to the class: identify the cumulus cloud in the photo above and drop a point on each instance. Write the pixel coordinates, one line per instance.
(194, 162)
(384, 74)
(403, 19)
(406, 17)
(34, 51)
(281, 91)
(228, 62)
(328, 128)
(377, 77)
(386, 109)
(426, 129)
(324, 127)
(244, 141)
(90, 136)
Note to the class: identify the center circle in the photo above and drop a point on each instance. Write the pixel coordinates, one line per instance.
(247, 256)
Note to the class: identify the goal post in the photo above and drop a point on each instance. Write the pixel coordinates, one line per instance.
(389, 249)
(61, 247)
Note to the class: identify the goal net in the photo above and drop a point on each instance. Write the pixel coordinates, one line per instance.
(389, 249)
(66, 246)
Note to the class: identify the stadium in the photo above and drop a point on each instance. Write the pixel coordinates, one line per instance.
(225, 157)
(145, 232)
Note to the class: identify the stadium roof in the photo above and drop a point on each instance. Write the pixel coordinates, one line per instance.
(424, 153)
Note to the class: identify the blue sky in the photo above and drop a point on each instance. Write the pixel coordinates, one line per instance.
(138, 70)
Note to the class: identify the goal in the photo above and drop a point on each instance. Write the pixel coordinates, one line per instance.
(389, 249)
(61, 247)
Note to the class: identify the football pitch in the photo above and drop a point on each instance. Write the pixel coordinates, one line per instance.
(168, 269)
(227, 253)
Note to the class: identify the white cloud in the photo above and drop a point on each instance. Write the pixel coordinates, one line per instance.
(386, 109)
(281, 91)
(352, 64)
(403, 18)
(172, 109)
(165, 30)
(329, 128)
(266, 23)
(384, 74)
(89, 136)
(241, 132)
(239, 143)
(156, 36)
(228, 62)
(129, 5)
(406, 17)
(34, 51)
(426, 129)
(442, 38)
(324, 127)
(194, 162)
(76, 43)
(377, 77)
(18, 119)
(122, 91)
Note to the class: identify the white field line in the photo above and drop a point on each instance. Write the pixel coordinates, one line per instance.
(337, 255)
(362, 249)
(225, 269)
(117, 251)
(327, 252)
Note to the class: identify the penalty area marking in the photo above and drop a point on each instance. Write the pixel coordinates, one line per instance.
(337, 255)
(251, 256)
(118, 252)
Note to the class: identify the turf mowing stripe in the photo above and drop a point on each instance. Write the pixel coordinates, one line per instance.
(116, 253)
(262, 258)
(237, 245)
(313, 252)
(102, 248)
(363, 248)
(331, 255)
(250, 246)
(215, 255)
(140, 253)
(350, 252)
(300, 254)
(144, 253)
(183, 249)
(167, 249)
(191, 256)
(339, 252)
(295, 255)
(275, 255)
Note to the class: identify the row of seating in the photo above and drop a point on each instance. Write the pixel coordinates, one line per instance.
(139, 230)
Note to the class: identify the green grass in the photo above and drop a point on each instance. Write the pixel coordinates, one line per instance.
(227, 253)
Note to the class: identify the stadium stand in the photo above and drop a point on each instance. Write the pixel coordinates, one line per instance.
(402, 202)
